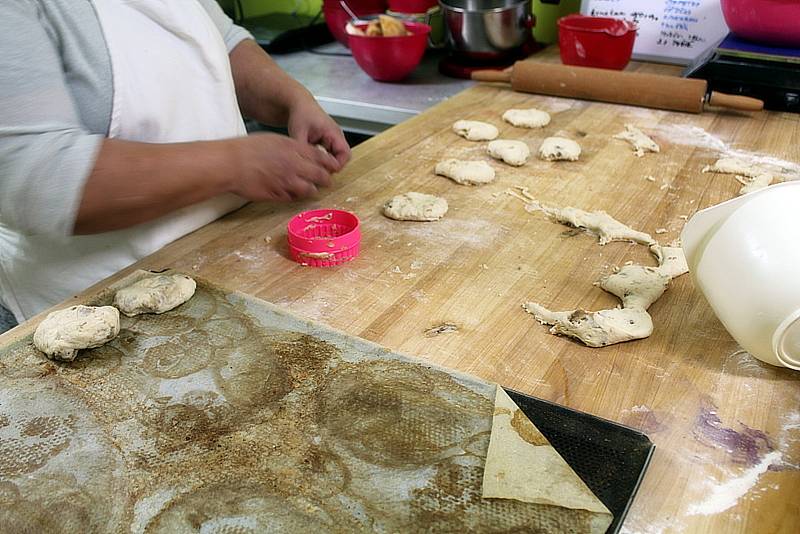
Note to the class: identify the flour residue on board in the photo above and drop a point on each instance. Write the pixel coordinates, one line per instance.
(725, 495)
(471, 232)
(743, 363)
(315, 306)
(689, 135)
(752, 450)
(787, 439)
(643, 418)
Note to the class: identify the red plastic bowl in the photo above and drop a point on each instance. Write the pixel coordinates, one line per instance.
(324, 238)
(600, 42)
(390, 59)
(336, 18)
(771, 22)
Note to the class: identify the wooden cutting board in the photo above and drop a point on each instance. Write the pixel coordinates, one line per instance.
(718, 417)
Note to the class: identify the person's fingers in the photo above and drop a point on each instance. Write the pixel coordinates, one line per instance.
(338, 147)
(321, 157)
(299, 132)
(280, 195)
(315, 174)
(308, 190)
(301, 188)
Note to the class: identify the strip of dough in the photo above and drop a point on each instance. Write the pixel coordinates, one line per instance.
(595, 329)
(637, 286)
(600, 223)
(752, 177)
(639, 140)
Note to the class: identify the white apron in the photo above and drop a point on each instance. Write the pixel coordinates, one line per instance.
(172, 83)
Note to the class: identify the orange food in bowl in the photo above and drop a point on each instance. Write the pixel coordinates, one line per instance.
(384, 26)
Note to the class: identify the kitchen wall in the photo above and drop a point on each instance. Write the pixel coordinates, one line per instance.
(260, 7)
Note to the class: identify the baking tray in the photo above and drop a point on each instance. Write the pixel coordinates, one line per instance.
(231, 409)
(609, 457)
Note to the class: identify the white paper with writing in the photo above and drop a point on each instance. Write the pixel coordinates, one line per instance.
(672, 31)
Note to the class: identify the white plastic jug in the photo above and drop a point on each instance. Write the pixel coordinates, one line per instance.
(744, 255)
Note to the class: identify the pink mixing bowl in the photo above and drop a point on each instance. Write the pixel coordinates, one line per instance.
(770, 22)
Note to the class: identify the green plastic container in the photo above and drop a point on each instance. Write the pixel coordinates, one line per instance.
(547, 12)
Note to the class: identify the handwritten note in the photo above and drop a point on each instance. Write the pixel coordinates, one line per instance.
(673, 31)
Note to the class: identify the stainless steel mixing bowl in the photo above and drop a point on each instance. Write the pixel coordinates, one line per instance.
(486, 29)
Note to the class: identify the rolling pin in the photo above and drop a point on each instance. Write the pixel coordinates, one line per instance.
(632, 88)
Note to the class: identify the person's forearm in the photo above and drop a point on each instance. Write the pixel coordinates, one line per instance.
(132, 182)
(265, 92)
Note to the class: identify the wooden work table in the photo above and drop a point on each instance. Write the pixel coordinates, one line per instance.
(726, 427)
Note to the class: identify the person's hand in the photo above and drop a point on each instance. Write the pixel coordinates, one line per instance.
(308, 123)
(276, 167)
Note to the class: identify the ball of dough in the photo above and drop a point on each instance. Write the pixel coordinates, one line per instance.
(527, 118)
(559, 148)
(475, 130)
(64, 332)
(155, 294)
(514, 153)
(465, 172)
(414, 206)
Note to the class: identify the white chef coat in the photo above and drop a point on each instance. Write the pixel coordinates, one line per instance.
(171, 83)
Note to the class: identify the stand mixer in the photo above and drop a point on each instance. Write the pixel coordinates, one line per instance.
(485, 34)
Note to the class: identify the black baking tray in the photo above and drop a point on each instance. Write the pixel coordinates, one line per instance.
(609, 457)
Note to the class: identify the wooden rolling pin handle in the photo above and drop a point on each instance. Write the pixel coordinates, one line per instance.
(744, 103)
(492, 76)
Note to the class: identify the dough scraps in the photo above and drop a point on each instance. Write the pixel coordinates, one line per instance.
(752, 177)
(155, 294)
(639, 140)
(527, 118)
(466, 172)
(64, 332)
(559, 149)
(475, 130)
(595, 329)
(600, 223)
(671, 260)
(637, 286)
(514, 153)
(413, 206)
